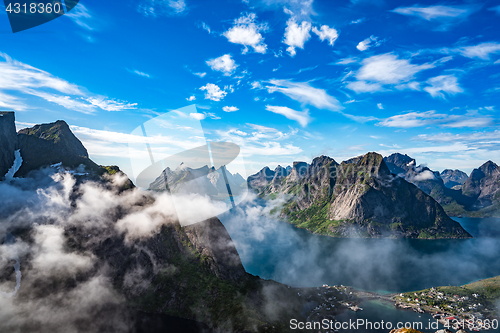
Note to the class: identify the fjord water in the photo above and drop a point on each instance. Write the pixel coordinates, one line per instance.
(274, 249)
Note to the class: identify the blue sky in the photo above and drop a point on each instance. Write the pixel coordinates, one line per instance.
(286, 80)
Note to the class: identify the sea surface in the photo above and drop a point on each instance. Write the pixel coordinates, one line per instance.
(273, 249)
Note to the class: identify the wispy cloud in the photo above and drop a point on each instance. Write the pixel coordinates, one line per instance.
(305, 94)
(302, 117)
(443, 84)
(205, 27)
(81, 16)
(155, 8)
(247, 32)
(367, 43)
(25, 79)
(385, 70)
(326, 33)
(135, 71)
(444, 16)
(431, 118)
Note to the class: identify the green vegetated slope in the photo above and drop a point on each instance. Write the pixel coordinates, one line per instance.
(357, 198)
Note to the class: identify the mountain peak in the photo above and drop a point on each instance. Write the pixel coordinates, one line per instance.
(52, 143)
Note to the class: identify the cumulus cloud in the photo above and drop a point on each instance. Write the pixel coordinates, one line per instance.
(380, 106)
(326, 33)
(296, 35)
(224, 64)
(230, 108)
(191, 98)
(302, 117)
(247, 32)
(443, 84)
(213, 92)
(367, 43)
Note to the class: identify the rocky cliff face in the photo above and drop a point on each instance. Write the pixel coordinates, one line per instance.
(361, 198)
(192, 272)
(453, 178)
(8, 142)
(483, 186)
(202, 180)
(49, 144)
(476, 196)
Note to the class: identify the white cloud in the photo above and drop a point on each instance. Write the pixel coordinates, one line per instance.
(431, 118)
(296, 35)
(263, 141)
(135, 71)
(481, 51)
(434, 12)
(380, 106)
(443, 84)
(385, 69)
(223, 64)
(10, 102)
(367, 43)
(156, 8)
(197, 116)
(302, 117)
(200, 74)
(205, 27)
(256, 85)
(110, 105)
(346, 61)
(213, 92)
(357, 21)
(305, 94)
(230, 108)
(80, 15)
(191, 98)
(327, 33)
(362, 86)
(388, 69)
(28, 80)
(247, 33)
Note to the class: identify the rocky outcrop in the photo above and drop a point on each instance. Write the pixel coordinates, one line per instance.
(361, 198)
(48, 144)
(483, 186)
(453, 178)
(8, 142)
(202, 180)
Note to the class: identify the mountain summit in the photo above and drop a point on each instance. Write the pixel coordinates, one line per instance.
(359, 198)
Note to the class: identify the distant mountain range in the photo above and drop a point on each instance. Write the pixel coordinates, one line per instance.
(202, 180)
(359, 197)
(477, 195)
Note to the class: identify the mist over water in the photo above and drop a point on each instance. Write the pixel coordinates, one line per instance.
(273, 249)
